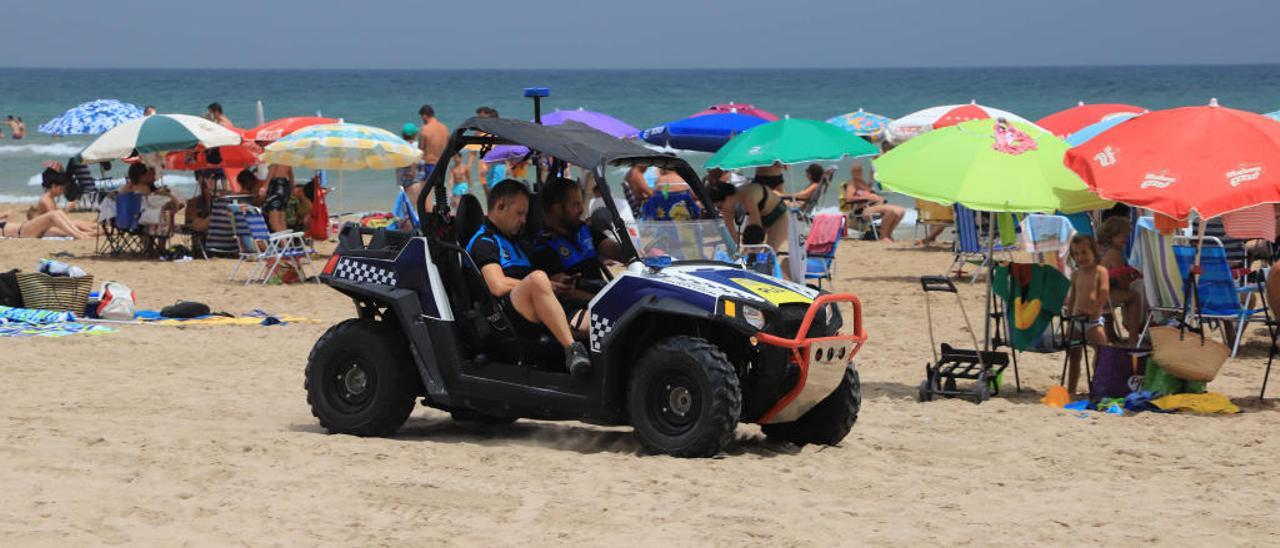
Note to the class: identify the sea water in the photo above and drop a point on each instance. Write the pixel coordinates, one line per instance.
(643, 98)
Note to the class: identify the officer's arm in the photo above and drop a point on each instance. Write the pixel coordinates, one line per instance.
(498, 282)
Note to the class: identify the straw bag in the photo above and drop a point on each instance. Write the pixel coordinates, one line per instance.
(63, 293)
(1190, 358)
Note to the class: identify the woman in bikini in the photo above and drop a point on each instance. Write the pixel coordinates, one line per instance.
(765, 207)
(858, 200)
(55, 185)
(1125, 281)
(54, 223)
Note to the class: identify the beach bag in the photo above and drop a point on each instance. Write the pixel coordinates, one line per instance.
(185, 309)
(1188, 356)
(117, 302)
(318, 219)
(10, 292)
(1118, 372)
(62, 293)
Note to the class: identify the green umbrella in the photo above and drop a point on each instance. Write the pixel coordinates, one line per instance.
(1016, 170)
(790, 141)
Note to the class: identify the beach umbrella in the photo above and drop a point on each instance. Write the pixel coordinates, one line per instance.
(1072, 120)
(737, 108)
(1095, 129)
(939, 117)
(92, 118)
(1207, 159)
(987, 166)
(275, 129)
(862, 123)
(158, 133)
(598, 120)
(790, 141)
(706, 133)
(344, 147)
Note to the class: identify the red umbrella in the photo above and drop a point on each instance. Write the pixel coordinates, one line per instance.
(738, 108)
(960, 114)
(1066, 122)
(275, 129)
(239, 156)
(1210, 159)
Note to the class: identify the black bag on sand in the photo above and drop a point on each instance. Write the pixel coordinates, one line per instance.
(10, 291)
(184, 310)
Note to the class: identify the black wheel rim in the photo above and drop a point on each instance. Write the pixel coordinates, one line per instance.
(351, 384)
(673, 403)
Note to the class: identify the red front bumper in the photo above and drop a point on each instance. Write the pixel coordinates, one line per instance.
(822, 360)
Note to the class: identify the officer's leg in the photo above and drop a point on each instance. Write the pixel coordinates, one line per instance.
(534, 299)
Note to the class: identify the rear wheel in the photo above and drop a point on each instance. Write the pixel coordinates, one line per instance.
(360, 379)
(829, 421)
(684, 398)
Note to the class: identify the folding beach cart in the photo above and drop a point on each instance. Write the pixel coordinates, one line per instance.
(951, 365)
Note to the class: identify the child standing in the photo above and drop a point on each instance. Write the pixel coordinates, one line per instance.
(1089, 294)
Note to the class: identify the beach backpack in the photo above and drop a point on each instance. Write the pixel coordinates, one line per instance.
(1118, 372)
(117, 302)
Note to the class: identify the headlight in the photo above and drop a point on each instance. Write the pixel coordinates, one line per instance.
(753, 316)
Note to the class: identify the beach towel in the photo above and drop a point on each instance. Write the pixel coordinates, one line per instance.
(34, 316)
(1251, 223)
(1048, 237)
(1033, 296)
(22, 329)
(824, 233)
(1205, 404)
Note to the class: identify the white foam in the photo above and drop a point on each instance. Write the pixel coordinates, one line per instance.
(14, 199)
(61, 150)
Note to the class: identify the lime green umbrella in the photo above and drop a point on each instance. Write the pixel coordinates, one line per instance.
(790, 141)
(986, 166)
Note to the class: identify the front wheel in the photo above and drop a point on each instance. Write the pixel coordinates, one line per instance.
(360, 379)
(832, 419)
(684, 398)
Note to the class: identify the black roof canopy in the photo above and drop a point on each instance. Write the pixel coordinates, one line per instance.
(572, 142)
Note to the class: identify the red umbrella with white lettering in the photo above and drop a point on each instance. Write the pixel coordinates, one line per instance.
(1208, 159)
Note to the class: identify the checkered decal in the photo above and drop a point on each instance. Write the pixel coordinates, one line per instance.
(361, 272)
(600, 328)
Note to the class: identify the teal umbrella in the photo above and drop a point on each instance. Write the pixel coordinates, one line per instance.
(789, 141)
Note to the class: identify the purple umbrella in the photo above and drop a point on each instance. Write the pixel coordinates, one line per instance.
(597, 120)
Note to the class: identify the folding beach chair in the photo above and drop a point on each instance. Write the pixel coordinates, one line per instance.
(1162, 281)
(121, 233)
(820, 246)
(1218, 298)
(972, 245)
(404, 210)
(929, 215)
(259, 245)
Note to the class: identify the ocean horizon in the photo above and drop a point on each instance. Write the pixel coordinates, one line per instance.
(388, 98)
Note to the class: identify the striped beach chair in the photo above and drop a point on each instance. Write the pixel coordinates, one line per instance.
(1162, 281)
(971, 242)
(257, 244)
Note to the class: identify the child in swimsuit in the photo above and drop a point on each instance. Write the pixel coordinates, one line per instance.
(1088, 297)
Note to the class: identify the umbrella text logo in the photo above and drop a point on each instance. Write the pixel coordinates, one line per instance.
(1243, 174)
(1106, 158)
(1157, 180)
(755, 150)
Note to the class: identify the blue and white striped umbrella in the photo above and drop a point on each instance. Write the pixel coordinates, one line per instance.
(92, 118)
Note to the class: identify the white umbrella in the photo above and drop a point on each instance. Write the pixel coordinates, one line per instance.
(158, 133)
(931, 118)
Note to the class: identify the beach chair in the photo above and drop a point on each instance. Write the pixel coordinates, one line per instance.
(1162, 281)
(1218, 298)
(820, 246)
(404, 210)
(121, 233)
(257, 244)
(929, 214)
(972, 244)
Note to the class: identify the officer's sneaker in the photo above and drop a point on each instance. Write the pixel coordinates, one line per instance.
(576, 360)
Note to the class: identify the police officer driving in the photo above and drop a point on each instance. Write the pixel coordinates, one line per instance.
(528, 296)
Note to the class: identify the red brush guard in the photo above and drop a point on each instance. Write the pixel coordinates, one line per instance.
(822, 360)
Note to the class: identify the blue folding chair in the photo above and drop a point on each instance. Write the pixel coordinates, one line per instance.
(123, 233)
(821, 259)
(971, 242)
(402, 210)
(266, 249)
(1218, 298)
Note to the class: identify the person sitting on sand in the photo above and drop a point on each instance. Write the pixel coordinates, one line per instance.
(856, 199)
(54, 223)
(1125, 281)
(528, 296)
(55, 186)
(1088, 297)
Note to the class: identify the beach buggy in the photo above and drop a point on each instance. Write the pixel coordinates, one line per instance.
(684, 342)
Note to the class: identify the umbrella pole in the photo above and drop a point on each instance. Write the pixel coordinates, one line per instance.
(1194, 293)
(991, 266)
(342, 200)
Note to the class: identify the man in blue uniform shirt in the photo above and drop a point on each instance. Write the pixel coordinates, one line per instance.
(527, 295)
(570, 250)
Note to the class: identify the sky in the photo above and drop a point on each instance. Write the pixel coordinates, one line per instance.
(630, 34)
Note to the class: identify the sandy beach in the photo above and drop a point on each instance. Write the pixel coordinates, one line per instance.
(201, 435)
